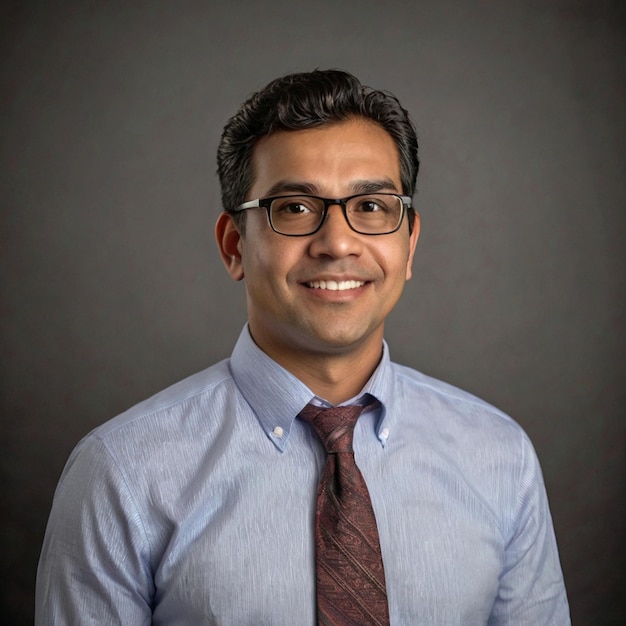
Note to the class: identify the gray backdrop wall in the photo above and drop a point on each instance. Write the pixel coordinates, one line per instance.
(112, 287)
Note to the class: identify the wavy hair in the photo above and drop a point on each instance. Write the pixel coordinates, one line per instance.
(306, 100)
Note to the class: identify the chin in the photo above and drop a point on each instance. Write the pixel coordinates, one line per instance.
(342, 342)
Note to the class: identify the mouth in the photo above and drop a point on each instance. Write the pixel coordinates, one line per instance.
(335, 285)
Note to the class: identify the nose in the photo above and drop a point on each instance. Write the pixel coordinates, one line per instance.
(335, 238)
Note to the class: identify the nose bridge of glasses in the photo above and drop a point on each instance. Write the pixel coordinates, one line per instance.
(342, 209)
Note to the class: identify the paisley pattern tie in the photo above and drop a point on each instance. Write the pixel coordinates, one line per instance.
(350, 576)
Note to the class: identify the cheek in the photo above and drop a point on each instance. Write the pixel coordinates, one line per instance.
(395, 261)
(270, 259)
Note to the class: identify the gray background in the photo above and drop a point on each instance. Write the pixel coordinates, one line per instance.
(111, 283)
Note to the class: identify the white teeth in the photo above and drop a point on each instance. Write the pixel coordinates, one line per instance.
(334, 285)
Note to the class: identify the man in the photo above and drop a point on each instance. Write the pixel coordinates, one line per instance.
(198, 506)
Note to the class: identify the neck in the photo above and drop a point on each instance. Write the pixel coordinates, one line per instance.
(336, 377)
(334, 380)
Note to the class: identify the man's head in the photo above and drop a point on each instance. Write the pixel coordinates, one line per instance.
(303, 101)
(323, 164)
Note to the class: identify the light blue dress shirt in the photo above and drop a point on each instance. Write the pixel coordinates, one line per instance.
(196, 507)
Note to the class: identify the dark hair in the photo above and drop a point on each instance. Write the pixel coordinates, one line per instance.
(306, 100)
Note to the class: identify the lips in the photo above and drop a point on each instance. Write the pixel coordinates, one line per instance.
(335, 285)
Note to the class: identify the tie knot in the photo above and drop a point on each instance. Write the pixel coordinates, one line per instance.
(334, 425)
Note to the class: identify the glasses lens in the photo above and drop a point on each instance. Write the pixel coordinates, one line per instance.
(369, 214)
(375, 214)
(296, 215)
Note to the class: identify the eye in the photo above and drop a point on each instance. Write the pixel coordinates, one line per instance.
(370, 206)
(293, 206)
(373, 205)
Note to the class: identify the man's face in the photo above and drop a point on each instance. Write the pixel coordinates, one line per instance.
(290, 315)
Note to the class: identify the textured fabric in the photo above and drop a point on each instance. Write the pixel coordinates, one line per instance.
(351, 586)
(197, 507)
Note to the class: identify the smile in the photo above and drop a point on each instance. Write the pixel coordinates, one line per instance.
(334, 285)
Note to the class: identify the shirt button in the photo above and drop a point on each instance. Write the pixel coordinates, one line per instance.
(278, 432)
(384, 433)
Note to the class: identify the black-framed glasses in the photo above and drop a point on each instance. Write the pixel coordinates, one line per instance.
(300, 215)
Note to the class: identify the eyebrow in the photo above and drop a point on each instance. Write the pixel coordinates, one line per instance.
(358, 186)
(371, 186)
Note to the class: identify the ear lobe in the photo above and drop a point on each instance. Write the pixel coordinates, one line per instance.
(415, 233)
(229, 242)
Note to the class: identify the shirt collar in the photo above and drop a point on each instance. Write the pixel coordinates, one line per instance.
(276, 396)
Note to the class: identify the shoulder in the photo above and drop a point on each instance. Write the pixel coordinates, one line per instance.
(453, 421)
(451, 402)
(181, 399)
(195, 408)
(469, 440)
(151, 453)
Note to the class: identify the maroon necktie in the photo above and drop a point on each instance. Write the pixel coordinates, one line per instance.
(350, 575)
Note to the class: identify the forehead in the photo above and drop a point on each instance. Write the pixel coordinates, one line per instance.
(327, 157)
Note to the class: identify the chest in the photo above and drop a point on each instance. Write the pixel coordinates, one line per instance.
(242, 548)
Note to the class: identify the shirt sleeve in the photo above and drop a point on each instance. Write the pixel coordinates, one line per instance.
(531, 590)
(94, 566)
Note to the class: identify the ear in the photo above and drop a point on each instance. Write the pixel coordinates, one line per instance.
(229, 241)
(414, 236)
